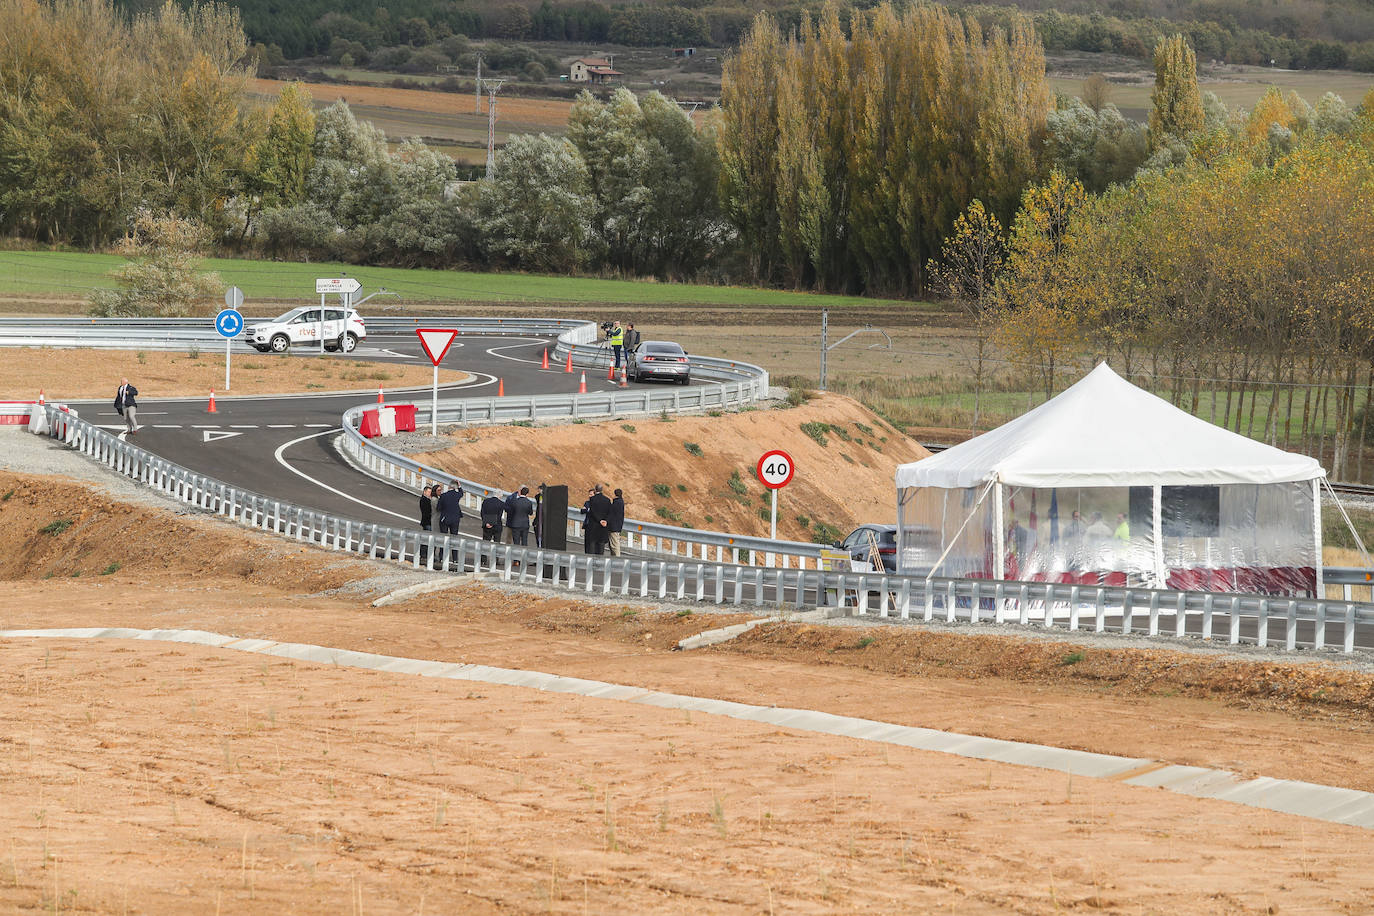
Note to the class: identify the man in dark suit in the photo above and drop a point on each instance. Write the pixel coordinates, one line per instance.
(518, 518)
(493, 508)
(426, 518)
(451, 508)
(598, 519)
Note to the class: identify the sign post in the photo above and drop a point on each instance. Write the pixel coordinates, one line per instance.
(229, 324)
(436, 342)
(775, 470)
(344, 286)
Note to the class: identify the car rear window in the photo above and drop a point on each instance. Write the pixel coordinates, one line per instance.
(668, 348)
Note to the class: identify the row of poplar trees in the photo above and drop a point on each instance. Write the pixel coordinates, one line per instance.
(845, 158)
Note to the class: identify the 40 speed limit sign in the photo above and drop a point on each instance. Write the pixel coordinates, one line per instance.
(775, 469)
(775, 472)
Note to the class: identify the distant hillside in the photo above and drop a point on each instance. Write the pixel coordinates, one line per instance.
(1322, 34)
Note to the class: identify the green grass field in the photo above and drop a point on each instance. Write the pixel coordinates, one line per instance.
(73, 274)
(955, 409)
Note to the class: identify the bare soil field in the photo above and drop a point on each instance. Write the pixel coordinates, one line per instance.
(83, 374)
(152, 778)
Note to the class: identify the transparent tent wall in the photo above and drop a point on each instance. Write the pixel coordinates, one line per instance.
(1233, 537)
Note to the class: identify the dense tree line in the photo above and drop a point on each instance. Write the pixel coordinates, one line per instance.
(1324, 36)
(1236, 272)
(846, 159)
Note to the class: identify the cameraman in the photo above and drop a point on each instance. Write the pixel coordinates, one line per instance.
(616, 335)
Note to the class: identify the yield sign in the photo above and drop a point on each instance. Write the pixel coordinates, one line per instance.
(436, 342)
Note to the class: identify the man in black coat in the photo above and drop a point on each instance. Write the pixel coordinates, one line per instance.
(598, 519)
(518, 517)
(492, 509)
(451, 508)
(616, 523)
(426, 509)
(426, 518)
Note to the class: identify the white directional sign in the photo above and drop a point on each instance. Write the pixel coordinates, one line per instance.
(436, 342)
(337, 285)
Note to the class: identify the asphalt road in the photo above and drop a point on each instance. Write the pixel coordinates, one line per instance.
(280, 447)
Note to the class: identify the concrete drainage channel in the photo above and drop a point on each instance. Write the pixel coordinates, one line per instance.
(1326, 803)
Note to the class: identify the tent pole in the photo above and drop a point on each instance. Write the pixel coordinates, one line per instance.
(950, 545)
(1317, 522)
(1158, 533)
(999, 544)
(1317, 533)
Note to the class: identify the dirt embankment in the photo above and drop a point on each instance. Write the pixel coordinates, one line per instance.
(700, 471)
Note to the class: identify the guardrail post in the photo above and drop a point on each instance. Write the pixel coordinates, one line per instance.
(1207, 603)
(1154, 613)
(1100, 608)
(1291, 635)
(720, 583)
(1348, 636)
(1023, 598)
(1262, 630)
(1127, 611)
(1319, 629)
(681, 581)
(701, 582)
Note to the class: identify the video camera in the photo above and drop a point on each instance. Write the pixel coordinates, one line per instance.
(606, 327)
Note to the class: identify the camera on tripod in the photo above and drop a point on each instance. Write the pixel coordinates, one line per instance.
(606, 328)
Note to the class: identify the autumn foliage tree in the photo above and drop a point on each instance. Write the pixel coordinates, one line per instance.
(1176, 103)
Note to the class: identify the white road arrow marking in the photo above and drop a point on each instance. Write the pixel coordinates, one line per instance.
(214, 435)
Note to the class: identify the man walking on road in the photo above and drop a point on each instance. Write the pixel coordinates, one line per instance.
(598, 519)
(492, 509)
(616, 523)
(126, 405)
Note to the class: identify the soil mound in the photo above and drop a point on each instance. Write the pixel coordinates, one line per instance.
(57, 528)
(700, 471)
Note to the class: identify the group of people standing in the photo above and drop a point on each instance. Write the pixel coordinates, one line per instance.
(514, 512)
(623, 340)
(603, 520)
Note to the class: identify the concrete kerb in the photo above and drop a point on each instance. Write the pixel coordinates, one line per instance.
(1328, 803)
(425, 588)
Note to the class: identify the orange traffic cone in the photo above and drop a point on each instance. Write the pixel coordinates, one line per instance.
(624, 382)
(40, 397)
(545, 363)
(568, 367)
(379, 395)
(500, 388)
(582, 388)
(610, 373)
(211, 408)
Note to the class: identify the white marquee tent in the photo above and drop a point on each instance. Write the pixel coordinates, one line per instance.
(1107, 483)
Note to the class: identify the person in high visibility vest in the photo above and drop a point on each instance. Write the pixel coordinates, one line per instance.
(616, 335)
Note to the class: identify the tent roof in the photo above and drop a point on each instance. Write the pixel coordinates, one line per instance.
(1105, 432)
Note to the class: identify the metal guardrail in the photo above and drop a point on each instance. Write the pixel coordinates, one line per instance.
(185, 333)
(734, 384)
(1149, 612)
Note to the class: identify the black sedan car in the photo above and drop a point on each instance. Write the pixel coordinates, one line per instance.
(659, 359)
